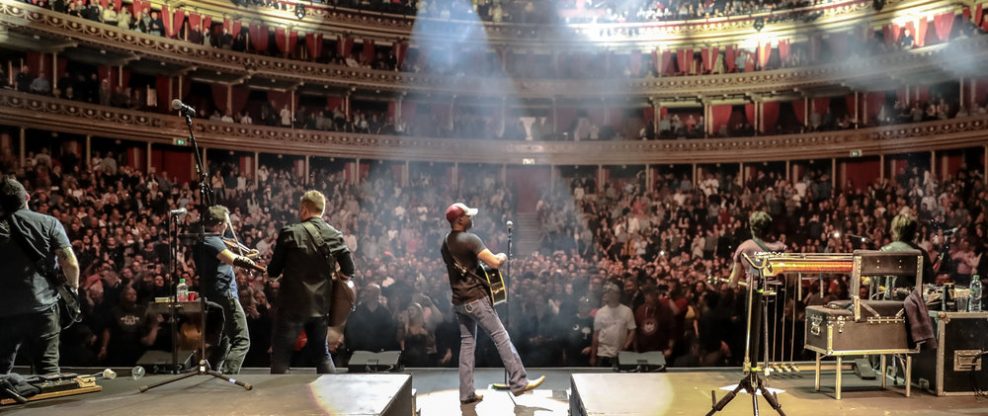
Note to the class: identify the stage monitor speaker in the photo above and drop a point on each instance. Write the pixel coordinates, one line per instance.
(160, 362)
(641, 362)
(374, 362)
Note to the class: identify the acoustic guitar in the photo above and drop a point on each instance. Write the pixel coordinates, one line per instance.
(497, 290)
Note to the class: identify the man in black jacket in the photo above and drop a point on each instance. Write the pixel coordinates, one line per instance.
(304, 296)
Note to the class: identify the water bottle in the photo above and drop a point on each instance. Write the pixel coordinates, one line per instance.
(974, 305)
(182, 292)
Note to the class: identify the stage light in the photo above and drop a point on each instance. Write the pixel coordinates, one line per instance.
(836, 234)
(300, 11)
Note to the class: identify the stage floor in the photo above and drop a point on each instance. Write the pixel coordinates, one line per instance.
(672, 393)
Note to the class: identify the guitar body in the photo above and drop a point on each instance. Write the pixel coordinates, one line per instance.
(497, 290)
(70, 304)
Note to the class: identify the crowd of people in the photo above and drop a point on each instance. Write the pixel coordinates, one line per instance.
(639, 255)
(461, 59)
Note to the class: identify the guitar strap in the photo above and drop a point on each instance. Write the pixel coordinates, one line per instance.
(320, 243)
(460, 268)
(761, 244)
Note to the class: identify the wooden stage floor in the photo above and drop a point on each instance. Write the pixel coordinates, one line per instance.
(671, 393)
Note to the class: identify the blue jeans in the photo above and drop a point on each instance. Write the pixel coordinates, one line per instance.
(481, 312)
(315, 352)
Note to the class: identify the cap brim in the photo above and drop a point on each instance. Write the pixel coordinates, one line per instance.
(471, 212)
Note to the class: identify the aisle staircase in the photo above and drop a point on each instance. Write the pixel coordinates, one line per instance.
(526, 234)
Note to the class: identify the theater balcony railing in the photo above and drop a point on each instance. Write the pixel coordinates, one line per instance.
(857, 74)
(328, 18)
(59, 115)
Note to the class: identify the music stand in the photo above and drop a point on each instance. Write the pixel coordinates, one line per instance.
(203, 368)
(752, 381)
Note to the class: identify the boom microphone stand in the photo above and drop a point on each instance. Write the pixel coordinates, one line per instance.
(205, 201)
(752, 381)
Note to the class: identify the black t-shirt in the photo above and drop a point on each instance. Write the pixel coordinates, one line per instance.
(22, 288)
(216, 278)
(127, 325)
(463, 247)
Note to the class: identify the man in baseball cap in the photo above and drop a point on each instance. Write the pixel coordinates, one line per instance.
(457, 210)
(463, 252)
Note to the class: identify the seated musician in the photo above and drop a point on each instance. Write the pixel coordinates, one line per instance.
(903, 230)
(759, 223)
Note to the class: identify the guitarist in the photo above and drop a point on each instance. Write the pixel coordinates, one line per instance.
(462, 251)
(30, 244)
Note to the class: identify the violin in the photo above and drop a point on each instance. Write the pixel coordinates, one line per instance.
(239, 247)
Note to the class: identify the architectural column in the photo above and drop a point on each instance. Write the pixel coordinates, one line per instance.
(961, 88)
(656, 115)
(148, 161)
(555, 115)
(694, 177)
(504, 115)
(229, 99)
(788, 170)
(180, 88)
(306, 169)
(54, 72)
(649, 178)
(833, 177)
(857, 110)
(504, 173)
(22, 144)
(742, 174)
(291, 99)
(257, 164)
(707, 122)
(455, 176)
(404, 174)
(120, 69)
(972, 94)
(806, 111)
(607, 113)
(881, 166)
(356, 172)
(984, 162)
(600, 178)
(933, 164)
(398, 105)
(88, 157)
(864, 112)
(346, 104)
(759, 117)
(908, 96)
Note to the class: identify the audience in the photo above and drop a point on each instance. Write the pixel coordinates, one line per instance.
(645, 254)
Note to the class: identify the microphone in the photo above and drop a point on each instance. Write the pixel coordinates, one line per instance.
(178, 212)
(184, 109)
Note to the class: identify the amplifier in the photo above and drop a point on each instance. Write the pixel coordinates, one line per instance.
(957, 366)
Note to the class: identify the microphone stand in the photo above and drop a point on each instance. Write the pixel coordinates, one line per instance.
(206, 200)
(507, 290)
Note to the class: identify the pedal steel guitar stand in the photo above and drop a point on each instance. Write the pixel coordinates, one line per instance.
(752, 381)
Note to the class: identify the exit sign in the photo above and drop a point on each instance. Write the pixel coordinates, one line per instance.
(856, 153)
(180, 142)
